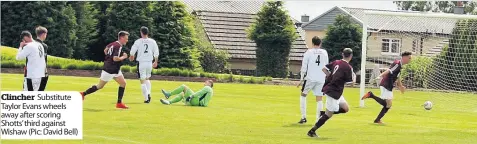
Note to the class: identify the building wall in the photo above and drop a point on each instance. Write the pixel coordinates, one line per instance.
(249, 64)
(310, 34)
(375, 43)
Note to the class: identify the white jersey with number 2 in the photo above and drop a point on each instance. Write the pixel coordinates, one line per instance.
(314, 60)
(146, 49)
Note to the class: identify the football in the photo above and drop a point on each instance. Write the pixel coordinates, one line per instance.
(427, 105)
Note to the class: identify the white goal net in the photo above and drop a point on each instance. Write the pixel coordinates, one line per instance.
(444, 48)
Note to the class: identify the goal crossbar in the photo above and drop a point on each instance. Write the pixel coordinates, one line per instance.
(421, 14)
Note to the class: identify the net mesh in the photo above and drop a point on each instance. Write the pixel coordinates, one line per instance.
(444, 51)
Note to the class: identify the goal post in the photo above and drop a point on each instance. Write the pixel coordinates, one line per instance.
(444, 48)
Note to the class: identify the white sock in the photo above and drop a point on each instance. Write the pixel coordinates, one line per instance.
(148, 83)
(319, 108)
(144, 91)
(303, 106)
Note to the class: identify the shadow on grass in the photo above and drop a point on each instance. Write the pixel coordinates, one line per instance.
(298, 125)
(320, 138)
(379, 125)
(92, 110)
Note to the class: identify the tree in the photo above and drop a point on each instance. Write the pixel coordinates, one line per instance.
(436, 6)
(57, 17)
(174, 30)
(274, 33)
(96, 49)
(343, 34)
(86, 31)
(455, 67)
(127, 16)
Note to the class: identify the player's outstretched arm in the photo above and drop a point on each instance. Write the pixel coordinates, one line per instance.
(383, 74)
(133, 51)
(400, 85)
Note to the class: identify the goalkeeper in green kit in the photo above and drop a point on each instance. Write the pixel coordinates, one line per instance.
(184, 93)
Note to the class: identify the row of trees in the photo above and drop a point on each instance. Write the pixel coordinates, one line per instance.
(81, 29)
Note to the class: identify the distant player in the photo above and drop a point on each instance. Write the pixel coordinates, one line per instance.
(35, 67)
(112, 68)
(312, 77)
(389, 77)
(341, 73)
(147, 52)
(184, 93)
(41, 33)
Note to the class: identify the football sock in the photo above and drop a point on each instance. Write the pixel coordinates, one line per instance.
(148, 84)
(144, 91)
(303, 106)
(177, 98)
(120, 94)
(178, 90)
(319, 109)
(381, 114)
(320, 122)
(379, 100)
(90, 90)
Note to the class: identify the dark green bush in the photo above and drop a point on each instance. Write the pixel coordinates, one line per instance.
(71, 66)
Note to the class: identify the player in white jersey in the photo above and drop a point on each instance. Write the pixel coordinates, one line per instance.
(34, 54)
(312, 77)
(145, 50)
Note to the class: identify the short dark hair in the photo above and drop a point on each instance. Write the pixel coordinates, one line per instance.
(144, 30)
(347, 52)
(40, 30)
(211, 83)
(406, 53)
(122, 33)
(316, 40)
(25, 33)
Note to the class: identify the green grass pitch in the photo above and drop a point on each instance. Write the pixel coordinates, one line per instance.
(245, 114)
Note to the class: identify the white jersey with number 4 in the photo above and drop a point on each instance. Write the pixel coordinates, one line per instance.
(146, 49)
(34, 53)
(314, 60)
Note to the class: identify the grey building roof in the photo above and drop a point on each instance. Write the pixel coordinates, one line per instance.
(226, 28)
(380, 22)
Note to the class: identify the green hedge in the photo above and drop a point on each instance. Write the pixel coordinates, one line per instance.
(8, 61)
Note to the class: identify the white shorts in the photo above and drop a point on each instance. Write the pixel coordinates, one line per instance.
(105, 76)
(333, 104)
(386, 94)
(31, 84)
(316, 87)
(144, 70)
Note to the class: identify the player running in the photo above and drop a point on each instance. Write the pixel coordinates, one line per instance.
(112, 68)
(341, 73)
(390, 77)
(35, 67)
(147, 51)
(184, 93)
(312, 77)
(41, 33)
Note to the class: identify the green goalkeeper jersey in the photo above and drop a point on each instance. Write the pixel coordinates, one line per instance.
(202, 97)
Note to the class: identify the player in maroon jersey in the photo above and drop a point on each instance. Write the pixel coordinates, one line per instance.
(390, 77)
(112, 68)
(341, 74)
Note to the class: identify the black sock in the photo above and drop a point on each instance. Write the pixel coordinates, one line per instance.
(340, 111)
(379, 100)
(322, 113)
(381, 114)
(92, 89)
(320, 122)
(120, 94)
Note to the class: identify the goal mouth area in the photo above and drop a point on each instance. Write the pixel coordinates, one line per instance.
(443, 46)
